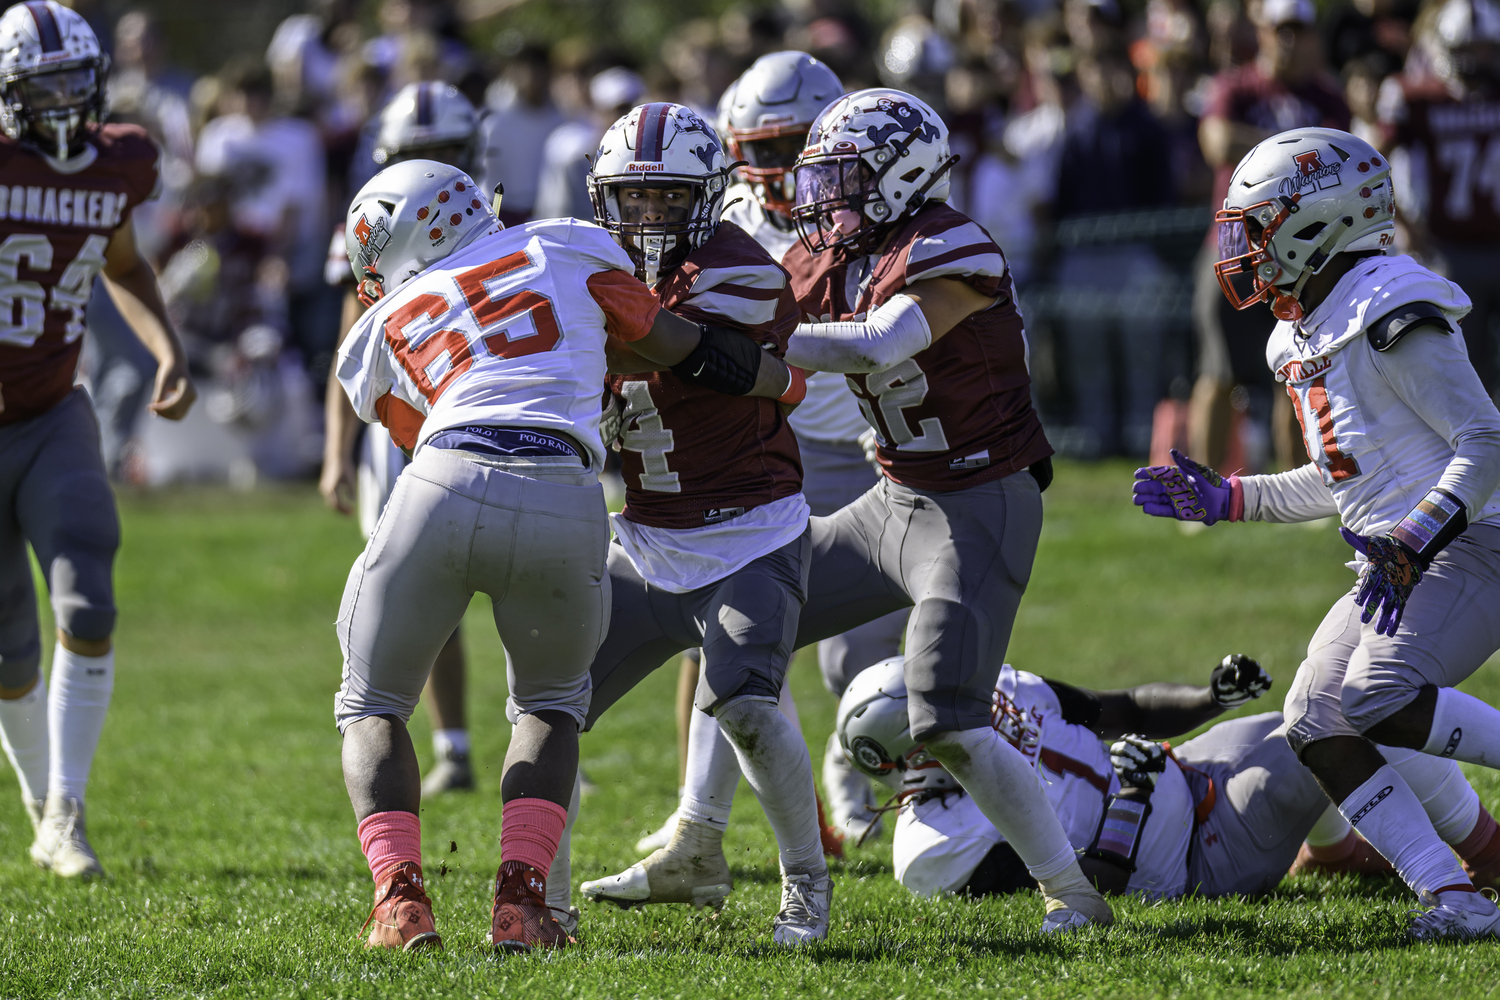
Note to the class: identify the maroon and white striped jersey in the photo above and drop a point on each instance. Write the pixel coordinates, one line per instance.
(692, 456)
(958, 413)
(1455, 145)
(54, 229)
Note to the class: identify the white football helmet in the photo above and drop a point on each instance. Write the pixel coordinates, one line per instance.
(1295, 201)
(660, 146)
(764, 117)
(407, 218)
(429, 121)
(51, 77)
(874, 156)
(872, 722)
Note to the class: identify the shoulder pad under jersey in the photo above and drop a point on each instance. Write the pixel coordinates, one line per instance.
(1390, 328)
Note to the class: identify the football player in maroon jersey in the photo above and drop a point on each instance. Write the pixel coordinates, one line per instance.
(67, 188)
(711, 549)
(912, 300)
(1448, 122)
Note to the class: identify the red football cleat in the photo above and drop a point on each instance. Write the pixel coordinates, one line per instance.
(521, 919)
(402, 916)
(1351, 856)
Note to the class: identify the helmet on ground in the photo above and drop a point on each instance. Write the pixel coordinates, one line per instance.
(651, 155)
(407, 218)
(765, 115)
(430, 121)
(1294, 202)
(51, 77)
(872, 722)
(873, 157)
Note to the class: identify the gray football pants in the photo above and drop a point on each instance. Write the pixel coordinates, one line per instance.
(834, 475)
(531, 534)
(1354, 677)
(960, 560)
(744, 623)
(55, 495)
(1264, 804)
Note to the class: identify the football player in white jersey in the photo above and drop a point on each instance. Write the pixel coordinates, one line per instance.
(429, 120)
(1405, 446)
(1222, 814)
(483, 354)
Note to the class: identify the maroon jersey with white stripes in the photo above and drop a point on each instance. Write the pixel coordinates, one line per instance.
(959, 413)
(1457, 146)
(694, 456)
(54, 228)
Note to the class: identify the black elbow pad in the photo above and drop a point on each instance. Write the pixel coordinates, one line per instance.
(1388, 330)
(725, 360)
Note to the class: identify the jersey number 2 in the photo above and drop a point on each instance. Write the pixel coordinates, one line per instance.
(511, 324)
(883, 397)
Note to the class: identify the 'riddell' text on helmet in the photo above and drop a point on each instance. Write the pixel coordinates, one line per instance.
(407, 218)
(1294, 202)
(764, 117)
(51, 77)
(873, 156)
(663, 147)
(431, 121)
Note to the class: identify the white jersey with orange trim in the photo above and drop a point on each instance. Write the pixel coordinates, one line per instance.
(508, 331)
(941, 839)
(829, 411)
(1384, 428)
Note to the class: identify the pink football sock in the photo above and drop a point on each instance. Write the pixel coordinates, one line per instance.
(390, 839)
(1481, 846)
(530, 830)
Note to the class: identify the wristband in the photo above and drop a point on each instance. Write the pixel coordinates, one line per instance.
(1119, 836)
(796, 390)
(1236, 499)
(1439, 518)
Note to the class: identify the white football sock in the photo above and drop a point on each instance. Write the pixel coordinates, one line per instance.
(560, 875)
(81, 689)
(1387, 814)
(450, 743)
(1331, 828)
(23, 733)
(713, 774)
(1464, 728)
(1006, 789)
(1446, 795)
(779, 769)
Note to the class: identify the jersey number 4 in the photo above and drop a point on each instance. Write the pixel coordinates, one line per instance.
(513, 322)
(1336, 464)
(882, 398)
(24, 304)
(1471, 169)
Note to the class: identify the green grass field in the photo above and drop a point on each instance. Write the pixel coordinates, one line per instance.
(218, 809)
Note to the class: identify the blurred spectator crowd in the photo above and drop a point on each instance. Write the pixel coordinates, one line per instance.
(1096, 136)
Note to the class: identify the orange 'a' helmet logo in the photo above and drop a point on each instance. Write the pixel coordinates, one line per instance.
(362, 231)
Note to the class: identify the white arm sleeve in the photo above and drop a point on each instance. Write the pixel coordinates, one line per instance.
(889, 336)
(1431, 373)
(1287, 497)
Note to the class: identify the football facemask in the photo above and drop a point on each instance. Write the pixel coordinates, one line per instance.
(837, 200)
(1246, 270)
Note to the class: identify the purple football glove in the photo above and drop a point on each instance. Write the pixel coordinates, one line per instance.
(1393, 571)
(1188, 491)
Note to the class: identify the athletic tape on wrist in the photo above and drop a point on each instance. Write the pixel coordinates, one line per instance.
(1119, 836)
(1435, 521)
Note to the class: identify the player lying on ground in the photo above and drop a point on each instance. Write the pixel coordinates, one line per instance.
(1222, 814)
(72, 185)
(1406, 451)
(424, 121)
(913, 299)
(484, 355)
(711, 548)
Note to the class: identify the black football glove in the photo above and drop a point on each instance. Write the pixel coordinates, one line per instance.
(1238, 679)
(1138, 761)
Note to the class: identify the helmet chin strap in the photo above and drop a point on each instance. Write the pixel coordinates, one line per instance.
(653, 249)
(62, 138)
(1288, 305)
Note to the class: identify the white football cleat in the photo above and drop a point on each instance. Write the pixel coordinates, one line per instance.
(1076, 910)
(851, 801)
(1452, 919)
(662, 837)
(34, 811)
(690, 869)
(62, 844)
(806, 900)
